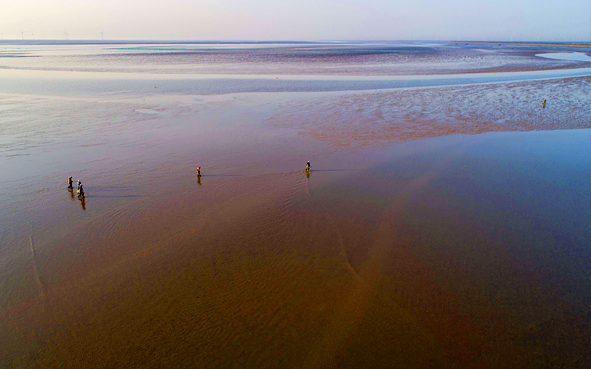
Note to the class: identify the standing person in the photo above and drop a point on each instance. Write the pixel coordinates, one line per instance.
(308, 166)
(544, 104)
(70, 182)
(80, 189)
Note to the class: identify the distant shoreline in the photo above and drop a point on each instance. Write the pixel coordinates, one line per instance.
(286, 42)
(555, 44)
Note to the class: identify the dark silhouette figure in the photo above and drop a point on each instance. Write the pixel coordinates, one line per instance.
(80, 190)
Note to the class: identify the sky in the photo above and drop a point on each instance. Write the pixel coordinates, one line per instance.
(518, 20)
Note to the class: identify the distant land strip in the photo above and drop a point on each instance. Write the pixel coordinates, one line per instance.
(558, 44)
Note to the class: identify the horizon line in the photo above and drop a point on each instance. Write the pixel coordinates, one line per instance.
(254, 41)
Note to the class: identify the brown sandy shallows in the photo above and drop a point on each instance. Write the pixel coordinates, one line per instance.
(257, 272)
(382, 117)
(223, 275)
(249, 272)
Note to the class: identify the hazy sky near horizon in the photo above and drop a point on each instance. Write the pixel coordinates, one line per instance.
(547, 20)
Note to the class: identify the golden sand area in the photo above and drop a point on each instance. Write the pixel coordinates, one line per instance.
(227, 278)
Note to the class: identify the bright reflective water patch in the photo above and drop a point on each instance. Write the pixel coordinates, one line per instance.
(566, 56)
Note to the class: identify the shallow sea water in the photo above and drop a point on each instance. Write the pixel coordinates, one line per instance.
(440, 226)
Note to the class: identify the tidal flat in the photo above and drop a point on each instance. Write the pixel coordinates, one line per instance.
(445, 222)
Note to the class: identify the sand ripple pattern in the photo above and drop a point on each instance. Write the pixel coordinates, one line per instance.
(379, 118)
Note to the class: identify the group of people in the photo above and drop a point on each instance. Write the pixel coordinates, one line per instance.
(79, 191)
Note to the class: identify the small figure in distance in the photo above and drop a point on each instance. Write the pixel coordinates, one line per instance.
(308, 166)
(70, 183)
(198, 171)
(544, 104)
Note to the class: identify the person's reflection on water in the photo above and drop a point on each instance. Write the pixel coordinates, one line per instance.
(199, 180)
(308, 181)
(83, 203)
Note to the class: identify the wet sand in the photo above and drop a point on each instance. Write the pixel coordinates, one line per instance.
(439, 227)
(432, 258)
(382, 117)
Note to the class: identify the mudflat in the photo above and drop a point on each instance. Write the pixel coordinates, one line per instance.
(441, 226)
